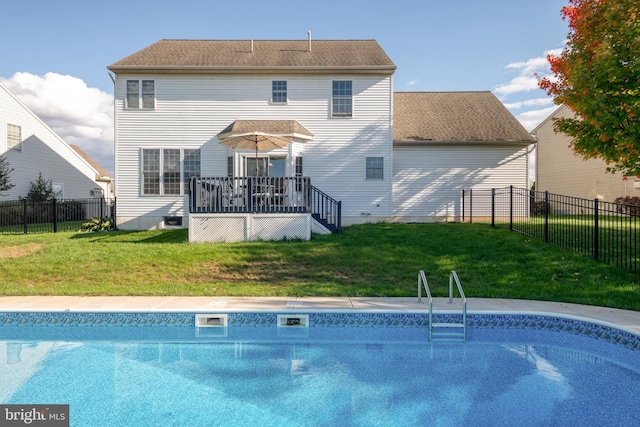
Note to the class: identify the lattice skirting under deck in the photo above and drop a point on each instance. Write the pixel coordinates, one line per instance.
(221, 228)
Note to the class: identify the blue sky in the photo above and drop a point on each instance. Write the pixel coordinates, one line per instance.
(55, 53)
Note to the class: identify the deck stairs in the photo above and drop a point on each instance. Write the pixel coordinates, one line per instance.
(455, 329)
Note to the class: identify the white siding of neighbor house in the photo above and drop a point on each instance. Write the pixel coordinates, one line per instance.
(42, 151)
(191, 110)
(428, 180)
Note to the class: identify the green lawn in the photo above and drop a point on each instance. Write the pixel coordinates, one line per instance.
(366, 260)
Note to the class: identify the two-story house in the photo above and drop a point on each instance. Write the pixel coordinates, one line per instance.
(181, 105)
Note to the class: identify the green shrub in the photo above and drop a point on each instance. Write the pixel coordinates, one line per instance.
(97, 224)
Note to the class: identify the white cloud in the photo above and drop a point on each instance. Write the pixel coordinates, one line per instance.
(80, 115)
(412, 82)
(533, 118)
(536, 102)
(526, 80)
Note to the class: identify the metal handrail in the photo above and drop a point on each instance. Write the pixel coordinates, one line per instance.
(422, 282)
(453, 277)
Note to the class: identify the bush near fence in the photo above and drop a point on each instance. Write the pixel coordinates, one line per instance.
(629, 205)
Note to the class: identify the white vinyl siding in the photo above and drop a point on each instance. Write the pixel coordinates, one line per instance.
(194, 109)
(428, 181)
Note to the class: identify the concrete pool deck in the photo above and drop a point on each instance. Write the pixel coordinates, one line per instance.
(624, 319)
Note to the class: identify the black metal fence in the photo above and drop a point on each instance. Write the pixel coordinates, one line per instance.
(50, 216)
(605, 231)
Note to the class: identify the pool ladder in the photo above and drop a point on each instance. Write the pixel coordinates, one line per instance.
(445, 331)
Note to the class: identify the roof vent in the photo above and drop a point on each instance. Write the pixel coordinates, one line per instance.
(309, 37)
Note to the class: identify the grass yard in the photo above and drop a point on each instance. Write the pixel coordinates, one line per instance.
(366, 260)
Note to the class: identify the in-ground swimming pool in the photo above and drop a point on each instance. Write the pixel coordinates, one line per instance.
(337, 369)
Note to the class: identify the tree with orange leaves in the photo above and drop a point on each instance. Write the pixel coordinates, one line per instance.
(597, 76)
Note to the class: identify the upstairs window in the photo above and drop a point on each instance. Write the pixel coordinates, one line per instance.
(279, 91)
(342, 98)
(14, 137)
(374, 168)
(141, 94)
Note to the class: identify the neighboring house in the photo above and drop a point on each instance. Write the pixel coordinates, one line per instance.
(32, 148)
(385, 157)
(560, 170)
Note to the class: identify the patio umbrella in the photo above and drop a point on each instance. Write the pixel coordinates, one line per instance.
(257, 141)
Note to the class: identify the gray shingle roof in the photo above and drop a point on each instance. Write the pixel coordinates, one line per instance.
(253, 55)
(454, 116)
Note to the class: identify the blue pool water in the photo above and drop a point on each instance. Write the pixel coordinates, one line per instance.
(135, 369)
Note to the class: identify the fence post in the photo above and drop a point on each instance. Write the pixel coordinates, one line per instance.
(511, 208)
(24, 215)
(55, 215)
(470, 205)
(546, 216)
(493, 207)
(596, 239)
(463, 204)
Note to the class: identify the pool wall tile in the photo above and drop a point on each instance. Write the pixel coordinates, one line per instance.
(334, 320)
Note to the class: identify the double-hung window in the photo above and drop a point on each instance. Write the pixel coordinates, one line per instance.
(14, 137)
(342, 98)
(279, 91)
(141, 94)
(374, 168)
(168, 171)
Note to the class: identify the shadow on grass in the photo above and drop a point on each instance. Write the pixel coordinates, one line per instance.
(127, 236)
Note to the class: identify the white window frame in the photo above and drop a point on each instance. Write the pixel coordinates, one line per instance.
(14, 139)
(160, 171)
(140, 104)
(338, 99)
(279, 91)
(370, 168)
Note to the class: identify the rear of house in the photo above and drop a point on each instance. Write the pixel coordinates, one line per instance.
(384, 156)
(173, 99)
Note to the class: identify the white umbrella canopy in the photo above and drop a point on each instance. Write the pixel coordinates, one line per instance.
(258, 141)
